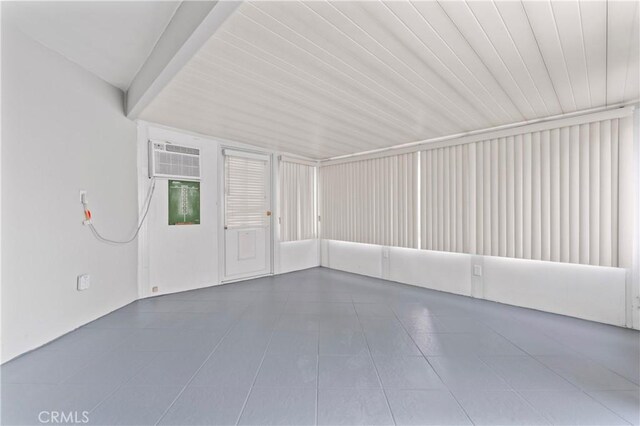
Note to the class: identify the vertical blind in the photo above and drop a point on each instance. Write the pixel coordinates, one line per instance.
(245, 192)
(371, 201)
(546, 195)
(558, 194)
(297, 201)
(443, 187)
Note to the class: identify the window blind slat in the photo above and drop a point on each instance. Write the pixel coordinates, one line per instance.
(502, 196)
(564, 164)
(594, 191)
(625, 186)
(518, 196)
(574, 194)
(605, 205)
(472, 199)
(245, 191)
(554, 205)
(615, 190)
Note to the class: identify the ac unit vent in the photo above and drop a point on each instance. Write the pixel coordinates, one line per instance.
(182, 149)
(173, 161)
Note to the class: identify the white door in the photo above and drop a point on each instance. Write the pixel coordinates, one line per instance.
(247, 214)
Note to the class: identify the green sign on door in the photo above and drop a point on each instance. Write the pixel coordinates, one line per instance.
(184, 202)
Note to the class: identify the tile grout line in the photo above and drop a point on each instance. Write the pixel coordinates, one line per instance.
(584, 391)
(118, 387)
(541, 413)
(62, 381)
(264, 355)
(534, 357)
(395, 314)
(517, 392)
(124, 383)
(318, 371)
(550, 419)
(375, 367)
(573, 352)
(577, 389)
(229, 328)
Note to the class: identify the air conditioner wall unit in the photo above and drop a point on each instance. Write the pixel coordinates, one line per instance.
(167, 160)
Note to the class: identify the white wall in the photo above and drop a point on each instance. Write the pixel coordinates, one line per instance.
(297, 255)
(438, 270)
(179, 258)
(363, 259)
(590, 292)
(63, 130)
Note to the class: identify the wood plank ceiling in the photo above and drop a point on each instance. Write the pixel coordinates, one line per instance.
(324, 79)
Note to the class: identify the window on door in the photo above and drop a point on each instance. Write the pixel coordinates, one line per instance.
(246, 201)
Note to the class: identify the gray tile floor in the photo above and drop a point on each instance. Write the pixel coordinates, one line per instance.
(329, 348)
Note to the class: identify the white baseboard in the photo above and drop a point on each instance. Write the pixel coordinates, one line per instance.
(589, 292)
(298, 255)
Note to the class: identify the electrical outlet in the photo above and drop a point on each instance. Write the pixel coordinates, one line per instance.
(83, 196)
(84, 282)
(154, 289)
(477, 270)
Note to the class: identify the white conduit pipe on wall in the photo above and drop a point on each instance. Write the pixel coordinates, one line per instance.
(558, 191)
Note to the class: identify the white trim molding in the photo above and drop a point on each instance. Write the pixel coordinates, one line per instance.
(538, 125)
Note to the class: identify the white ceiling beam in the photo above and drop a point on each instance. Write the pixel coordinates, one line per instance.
(191, 26)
